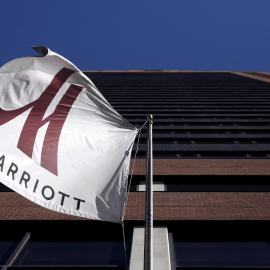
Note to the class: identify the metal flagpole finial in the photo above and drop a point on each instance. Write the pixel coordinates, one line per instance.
(149, 117)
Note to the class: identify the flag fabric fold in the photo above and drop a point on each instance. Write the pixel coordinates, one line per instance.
(62, 145)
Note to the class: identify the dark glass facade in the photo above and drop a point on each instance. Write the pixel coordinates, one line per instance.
(211, 143)
(196, 114)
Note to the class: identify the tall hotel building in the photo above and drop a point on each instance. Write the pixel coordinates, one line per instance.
(211, 149)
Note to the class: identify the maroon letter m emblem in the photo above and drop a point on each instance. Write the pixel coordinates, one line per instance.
(35, 120)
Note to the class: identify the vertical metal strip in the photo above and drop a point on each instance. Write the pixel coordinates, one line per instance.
(17, 251)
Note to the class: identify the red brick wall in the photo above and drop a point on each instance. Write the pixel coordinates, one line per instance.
(204, 167)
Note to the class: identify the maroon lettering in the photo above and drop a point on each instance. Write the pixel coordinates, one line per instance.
(2, 160)
(35, 120)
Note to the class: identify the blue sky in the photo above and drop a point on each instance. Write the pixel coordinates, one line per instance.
(141, 34)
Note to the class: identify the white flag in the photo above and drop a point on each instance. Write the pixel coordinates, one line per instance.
(62, 145)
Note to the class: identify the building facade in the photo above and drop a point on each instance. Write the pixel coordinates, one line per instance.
(211, 148)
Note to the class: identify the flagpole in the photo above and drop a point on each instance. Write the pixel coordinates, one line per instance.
(148, 232)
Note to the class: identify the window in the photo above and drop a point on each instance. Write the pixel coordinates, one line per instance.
(72, 253)
(6, 249)
(219, 244)
(65, 243)
(222, 254)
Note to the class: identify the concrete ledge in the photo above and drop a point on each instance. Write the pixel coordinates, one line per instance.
(157, 186)
(161, 253)
(254, 76)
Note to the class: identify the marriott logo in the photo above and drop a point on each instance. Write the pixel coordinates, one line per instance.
(35, 120)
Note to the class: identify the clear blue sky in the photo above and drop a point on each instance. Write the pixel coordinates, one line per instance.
(141, 34)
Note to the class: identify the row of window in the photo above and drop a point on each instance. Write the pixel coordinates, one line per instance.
(63, 253)
(182, 187)
(63, 244)
(205, 155)
(111, 254)
(187, 248)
